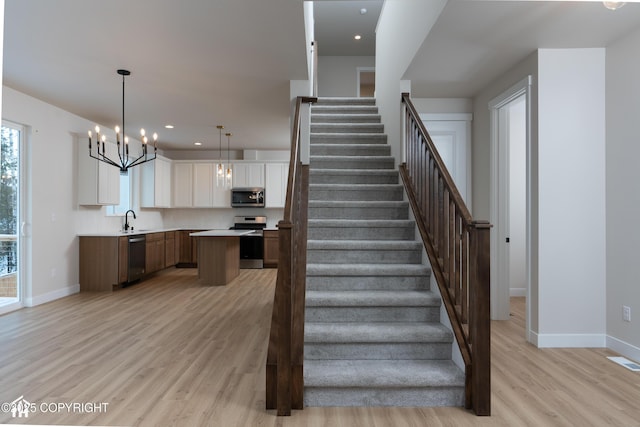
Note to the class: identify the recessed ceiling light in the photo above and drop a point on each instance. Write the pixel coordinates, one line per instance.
(357, 37)
(197, 143)
(169, 126)
(363, 11)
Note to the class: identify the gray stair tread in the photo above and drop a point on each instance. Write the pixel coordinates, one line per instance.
(383, 245)
(351, 223)
(350, 158)
(349, 135)
(388, 270)
(371, 299)
(358, 203)
(357, 100)
(352, 171)
(355, 187)
(368, 332)
(382, 373)
(345, 116)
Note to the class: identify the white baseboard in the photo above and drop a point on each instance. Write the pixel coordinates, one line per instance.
(517, 292)
(624, 348)
(52, 296)
(569, 340)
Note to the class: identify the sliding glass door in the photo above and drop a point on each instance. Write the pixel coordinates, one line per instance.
(11, 136)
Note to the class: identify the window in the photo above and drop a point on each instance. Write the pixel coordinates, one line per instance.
(125, 197)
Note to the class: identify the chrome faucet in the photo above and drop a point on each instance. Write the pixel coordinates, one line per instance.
(126, 219)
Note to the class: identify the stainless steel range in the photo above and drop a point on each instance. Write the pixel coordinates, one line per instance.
(251, 245)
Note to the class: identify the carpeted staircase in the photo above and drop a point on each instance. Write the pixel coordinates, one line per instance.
(372, 330)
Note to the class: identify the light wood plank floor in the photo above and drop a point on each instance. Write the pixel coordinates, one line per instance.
(170, 352)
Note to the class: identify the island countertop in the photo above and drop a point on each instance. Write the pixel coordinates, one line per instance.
(221, 233)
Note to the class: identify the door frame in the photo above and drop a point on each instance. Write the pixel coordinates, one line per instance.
(499, 203)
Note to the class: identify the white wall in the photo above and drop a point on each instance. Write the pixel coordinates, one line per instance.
(623, 194)
(402, 28)
(571, 197)
(443, 105)
(338, 75)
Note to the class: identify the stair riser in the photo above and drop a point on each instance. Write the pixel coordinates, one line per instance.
(347, 128)
(345, 118)
(377, 351)
(364, 178)
(332, 256)
(350, 150)
(346, 100)
(344, 109)
(345, 139)
(370, 283)
(346, 162)
(372, 314)
(358, 213)
(384, 396)
(356, 194)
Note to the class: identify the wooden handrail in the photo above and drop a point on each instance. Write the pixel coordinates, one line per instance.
(285, 355)
(458, 250)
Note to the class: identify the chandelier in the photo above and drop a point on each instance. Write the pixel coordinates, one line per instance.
(123, 162)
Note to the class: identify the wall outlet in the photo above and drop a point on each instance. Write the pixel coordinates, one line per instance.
(626, 313)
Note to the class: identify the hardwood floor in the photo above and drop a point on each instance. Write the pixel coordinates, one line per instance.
(170, 352)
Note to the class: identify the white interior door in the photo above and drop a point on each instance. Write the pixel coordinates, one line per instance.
(451, 134)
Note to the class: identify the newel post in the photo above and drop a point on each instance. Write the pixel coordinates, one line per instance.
(480, 320)
(283, 310)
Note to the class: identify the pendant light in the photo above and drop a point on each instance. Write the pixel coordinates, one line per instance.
(123, 162)
(220, 166)
(228, 177)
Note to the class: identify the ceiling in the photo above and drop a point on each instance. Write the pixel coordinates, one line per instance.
(473, 42)
(199, 63)
(337, 22)
(194, 64)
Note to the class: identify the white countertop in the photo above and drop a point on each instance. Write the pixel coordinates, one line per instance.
(127, 233)
(221, 233)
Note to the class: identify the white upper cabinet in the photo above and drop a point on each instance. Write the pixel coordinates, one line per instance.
(155, 183)
(248, 175)
(182, 185)
(98, 182)
(276, 175)
(203, 185)
(194, 186)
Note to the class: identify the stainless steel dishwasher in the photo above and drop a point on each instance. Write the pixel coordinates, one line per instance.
(137, 255)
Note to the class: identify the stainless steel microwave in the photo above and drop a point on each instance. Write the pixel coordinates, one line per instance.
(247, 197)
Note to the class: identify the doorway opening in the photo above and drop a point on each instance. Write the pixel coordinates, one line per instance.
(366, 82)
(511, 200)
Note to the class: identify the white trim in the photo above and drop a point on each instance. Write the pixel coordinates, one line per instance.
(624, 348)
(499, 297)
(571, 340)
(52, 296)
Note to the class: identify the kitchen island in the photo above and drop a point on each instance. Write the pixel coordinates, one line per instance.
(219, 255)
